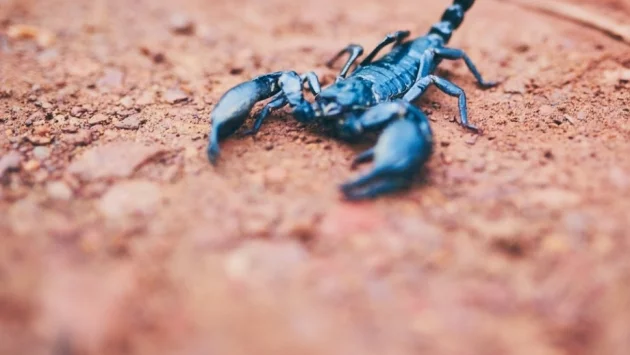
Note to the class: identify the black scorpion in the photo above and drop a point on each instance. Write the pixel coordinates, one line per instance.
(375, 96)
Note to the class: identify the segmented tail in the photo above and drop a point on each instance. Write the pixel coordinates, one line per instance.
(451, 19)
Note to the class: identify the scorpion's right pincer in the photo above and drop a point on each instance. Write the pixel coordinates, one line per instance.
(403, 147)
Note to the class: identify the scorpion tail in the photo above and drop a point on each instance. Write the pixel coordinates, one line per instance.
(451, 19)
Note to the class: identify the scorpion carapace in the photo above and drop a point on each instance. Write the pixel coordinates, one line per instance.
(375, 96)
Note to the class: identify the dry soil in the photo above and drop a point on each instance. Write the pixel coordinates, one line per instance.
(118, 237)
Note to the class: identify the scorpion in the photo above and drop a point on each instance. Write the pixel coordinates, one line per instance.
(375, 97)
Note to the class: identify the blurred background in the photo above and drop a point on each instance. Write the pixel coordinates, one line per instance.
(118, 237)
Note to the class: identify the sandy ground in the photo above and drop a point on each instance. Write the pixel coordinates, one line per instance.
(118, 237)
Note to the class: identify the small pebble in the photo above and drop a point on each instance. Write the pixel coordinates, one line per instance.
(114, 159)
(99, 118)
(617, 76)
(515, 86)
(131, 122)
(36, 117)
(111, 78)
(41, 153)
(31, 165)
(546, 110)
(44, 38)
(126, 102)
(81, 137)
(76, 111)
(39, 140)
(173, 96)
(59, 190)
(71, 128)
(147, 98)
(181, 24)
(10, 161)
(522, 47)
(44, 104)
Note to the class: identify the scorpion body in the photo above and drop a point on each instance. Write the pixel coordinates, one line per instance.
(377, 95)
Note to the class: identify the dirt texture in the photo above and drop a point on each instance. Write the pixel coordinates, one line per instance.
(118, 237)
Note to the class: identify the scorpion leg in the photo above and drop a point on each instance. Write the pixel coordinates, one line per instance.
(393, 37)
(355, 52)
(403, 147)
(455, 54)
(278, 101)
(446, 87)
(313, 82)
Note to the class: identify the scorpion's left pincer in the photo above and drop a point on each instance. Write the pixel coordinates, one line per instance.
(234, 107)
(231, 112)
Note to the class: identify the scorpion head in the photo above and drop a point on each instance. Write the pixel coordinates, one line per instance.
(345, 96)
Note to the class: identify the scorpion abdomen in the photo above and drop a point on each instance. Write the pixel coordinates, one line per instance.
(391, 77)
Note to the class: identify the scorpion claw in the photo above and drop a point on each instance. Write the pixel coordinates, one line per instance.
(234, 107)
(221, 129)
(402, 148)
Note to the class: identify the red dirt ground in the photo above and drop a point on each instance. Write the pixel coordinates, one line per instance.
(118, 237)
